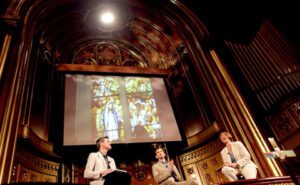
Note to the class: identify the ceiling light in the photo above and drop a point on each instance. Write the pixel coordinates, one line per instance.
(107, 17)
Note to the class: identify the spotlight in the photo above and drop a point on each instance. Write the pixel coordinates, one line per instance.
(107, 17)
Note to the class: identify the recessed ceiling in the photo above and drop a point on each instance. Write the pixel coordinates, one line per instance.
(138, 30)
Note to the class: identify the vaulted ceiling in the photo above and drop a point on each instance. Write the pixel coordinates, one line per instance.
(144, 35)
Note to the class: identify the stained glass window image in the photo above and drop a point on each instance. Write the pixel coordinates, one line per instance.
(124, 108)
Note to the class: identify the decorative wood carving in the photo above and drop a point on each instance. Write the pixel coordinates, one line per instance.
(287, 120)
(204, 163)
(108, 53)
(31, 168)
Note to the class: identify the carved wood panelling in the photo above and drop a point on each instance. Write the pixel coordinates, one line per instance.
(204, 163)
(286, 121)
(108, 52)
(30, 168)
(28, 175)
(201, 153)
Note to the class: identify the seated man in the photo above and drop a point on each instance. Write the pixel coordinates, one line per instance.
(166, 173)
(236, 159)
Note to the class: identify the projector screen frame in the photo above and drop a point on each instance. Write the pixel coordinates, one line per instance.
(124, 71)
(112, 70)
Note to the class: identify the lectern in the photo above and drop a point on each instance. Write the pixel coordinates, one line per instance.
(117, 177)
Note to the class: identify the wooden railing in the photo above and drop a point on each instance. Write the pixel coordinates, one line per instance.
(284, 180)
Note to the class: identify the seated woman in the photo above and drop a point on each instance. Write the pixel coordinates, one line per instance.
(236, 159)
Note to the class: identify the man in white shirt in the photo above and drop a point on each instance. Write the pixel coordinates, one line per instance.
(98, 163)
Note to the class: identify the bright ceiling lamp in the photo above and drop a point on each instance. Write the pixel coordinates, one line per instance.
(107, 17)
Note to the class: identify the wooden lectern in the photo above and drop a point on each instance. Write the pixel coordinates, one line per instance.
(117, 177)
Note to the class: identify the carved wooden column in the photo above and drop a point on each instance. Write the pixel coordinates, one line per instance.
(9, 99)
(242, 123)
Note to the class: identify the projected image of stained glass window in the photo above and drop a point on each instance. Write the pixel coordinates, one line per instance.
(106, 108)
(124, 108)
(142, 108)
(127, 109)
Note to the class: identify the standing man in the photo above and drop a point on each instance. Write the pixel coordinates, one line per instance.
(165, 172)
(98, 163)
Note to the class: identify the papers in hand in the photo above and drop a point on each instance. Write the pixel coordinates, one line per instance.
(118, 170)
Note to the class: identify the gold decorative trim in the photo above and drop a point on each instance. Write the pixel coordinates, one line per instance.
(3, 54)
(79, 68)
(46, 147)
(201, 153)
(33, 162)
(203, 136)
(276, 171)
